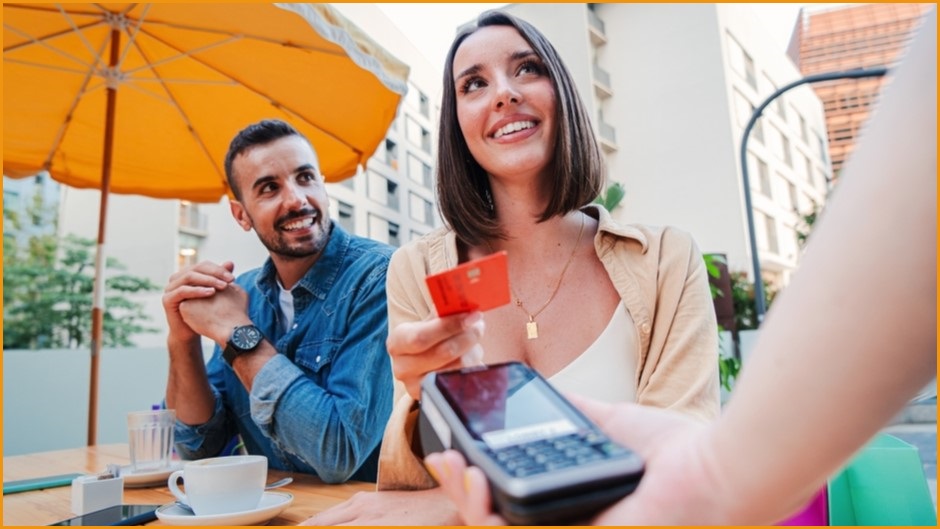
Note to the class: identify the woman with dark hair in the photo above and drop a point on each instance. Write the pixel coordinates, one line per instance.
(621, 313)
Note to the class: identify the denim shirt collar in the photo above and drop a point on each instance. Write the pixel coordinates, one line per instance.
(319, 279)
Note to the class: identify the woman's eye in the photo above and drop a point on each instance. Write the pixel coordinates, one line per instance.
(472, 84)
(530, 67)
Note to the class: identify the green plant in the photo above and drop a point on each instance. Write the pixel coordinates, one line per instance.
(47, 289)
(611, 197)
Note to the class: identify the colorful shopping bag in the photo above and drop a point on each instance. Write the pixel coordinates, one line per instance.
(883, 484)
(816, 512)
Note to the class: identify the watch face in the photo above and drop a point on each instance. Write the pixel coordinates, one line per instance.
(246, 337)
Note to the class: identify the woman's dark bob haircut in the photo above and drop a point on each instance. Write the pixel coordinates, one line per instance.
(463, 186)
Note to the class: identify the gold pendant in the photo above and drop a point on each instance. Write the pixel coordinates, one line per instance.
(532, 329)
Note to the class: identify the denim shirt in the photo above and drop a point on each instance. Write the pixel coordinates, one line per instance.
(321, 404)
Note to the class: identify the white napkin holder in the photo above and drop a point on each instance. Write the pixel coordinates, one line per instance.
(95, 492)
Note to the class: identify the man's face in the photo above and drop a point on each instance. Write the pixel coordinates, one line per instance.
(283, 197)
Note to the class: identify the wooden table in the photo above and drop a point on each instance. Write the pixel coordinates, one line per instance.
(43, 507)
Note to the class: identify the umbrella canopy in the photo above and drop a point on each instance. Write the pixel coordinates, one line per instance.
(144, 98)
(188, 77)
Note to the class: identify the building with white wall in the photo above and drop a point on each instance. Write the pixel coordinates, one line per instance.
(391, 200)
(671, 88)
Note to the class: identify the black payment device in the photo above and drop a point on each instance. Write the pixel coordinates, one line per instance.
(126, 514)
(546, 462)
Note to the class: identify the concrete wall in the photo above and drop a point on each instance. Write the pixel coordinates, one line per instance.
(45, 395)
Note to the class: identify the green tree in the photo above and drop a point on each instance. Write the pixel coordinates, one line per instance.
(47, 288)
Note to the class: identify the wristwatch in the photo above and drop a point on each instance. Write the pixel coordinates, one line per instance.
(244, 339)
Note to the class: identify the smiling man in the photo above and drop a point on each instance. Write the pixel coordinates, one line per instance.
(300, 368)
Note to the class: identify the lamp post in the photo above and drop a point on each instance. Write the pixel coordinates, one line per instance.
(759, 301)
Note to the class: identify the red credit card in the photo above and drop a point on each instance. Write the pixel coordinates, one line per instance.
(481, 284)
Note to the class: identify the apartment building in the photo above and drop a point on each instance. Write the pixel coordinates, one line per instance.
(671, 88)
(392, 199)
(843, 38)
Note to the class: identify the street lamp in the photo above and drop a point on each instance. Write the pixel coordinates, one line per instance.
(858, 73)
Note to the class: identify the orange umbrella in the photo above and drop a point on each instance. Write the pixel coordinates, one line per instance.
(144, 98)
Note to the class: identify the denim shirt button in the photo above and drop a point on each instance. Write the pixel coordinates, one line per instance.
(317, 359)
(294, 326)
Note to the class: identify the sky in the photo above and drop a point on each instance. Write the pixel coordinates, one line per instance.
(431, 26)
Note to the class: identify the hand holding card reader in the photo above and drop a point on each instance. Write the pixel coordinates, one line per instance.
(546, 462)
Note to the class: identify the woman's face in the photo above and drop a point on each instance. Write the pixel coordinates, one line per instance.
(505, 103)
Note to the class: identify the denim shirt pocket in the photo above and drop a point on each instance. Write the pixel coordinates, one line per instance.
(316, 357)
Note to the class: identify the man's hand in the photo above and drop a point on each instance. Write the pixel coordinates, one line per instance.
(215, 316)
(194, 282)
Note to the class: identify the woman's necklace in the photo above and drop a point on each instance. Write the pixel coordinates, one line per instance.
(531, 326)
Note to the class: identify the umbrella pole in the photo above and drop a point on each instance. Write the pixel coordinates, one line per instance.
(97, 309)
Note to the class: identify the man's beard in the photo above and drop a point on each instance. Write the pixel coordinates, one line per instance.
(278, 245)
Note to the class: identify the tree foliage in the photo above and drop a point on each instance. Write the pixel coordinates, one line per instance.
(48, 284)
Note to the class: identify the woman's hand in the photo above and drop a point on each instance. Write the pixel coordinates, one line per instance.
(420, 347)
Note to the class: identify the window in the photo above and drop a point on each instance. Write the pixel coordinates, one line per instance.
(821, 146)
(393, 234)
(188, 253)
(418, 135)
(190, 218)
(418, 101)
(764, 175)
(419, 209)
(759, 175)
(779, 103)
(771, 229)
(383, 190)
(383, 231)
(808, 168)
(419, 171)
(794, 200)
(391, 154)
(741, 62)
(804, 134)
(345, 216)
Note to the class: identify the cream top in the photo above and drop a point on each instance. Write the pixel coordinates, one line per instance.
(602, 371)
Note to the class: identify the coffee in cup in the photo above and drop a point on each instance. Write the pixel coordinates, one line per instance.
(221, 485)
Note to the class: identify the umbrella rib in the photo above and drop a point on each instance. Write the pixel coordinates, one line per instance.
(68, 116)
(260, 94)
(79, 33)
(132, 37)
(259, 38)
(179, 108)
(41, 41)
(45, 66)
(181, 55)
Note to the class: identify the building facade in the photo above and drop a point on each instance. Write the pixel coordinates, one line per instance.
(671, 88)
(845, 38)
(392, 199)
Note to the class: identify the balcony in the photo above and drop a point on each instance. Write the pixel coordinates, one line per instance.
(596, 29)
(602, 83)
(608, 136)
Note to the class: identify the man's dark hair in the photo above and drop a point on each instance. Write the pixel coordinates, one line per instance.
(462, 185)
(260, 133)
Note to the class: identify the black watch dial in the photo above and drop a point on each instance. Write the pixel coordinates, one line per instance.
(245, 337)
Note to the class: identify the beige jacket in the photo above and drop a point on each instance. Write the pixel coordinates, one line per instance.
(662, 281)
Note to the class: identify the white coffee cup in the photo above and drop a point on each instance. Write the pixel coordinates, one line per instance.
(221, 485)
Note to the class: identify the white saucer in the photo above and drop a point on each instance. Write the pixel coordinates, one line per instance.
(148, 478)
(272, 504)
